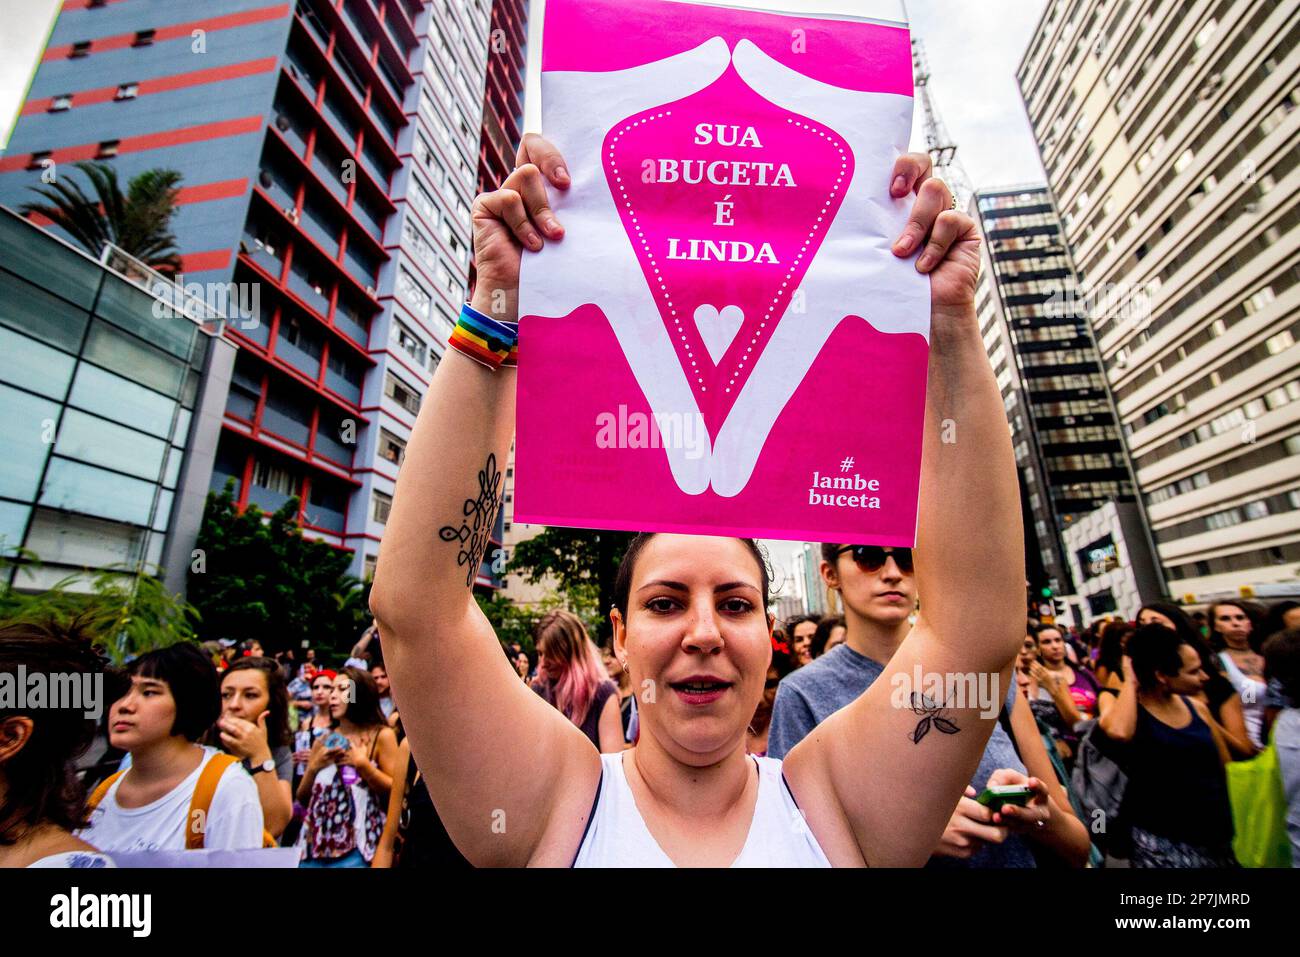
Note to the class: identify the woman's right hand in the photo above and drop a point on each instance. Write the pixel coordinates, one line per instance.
(512, 217)
(319, 756)
(969, 829)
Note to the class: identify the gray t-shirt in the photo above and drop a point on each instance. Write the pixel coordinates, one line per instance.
(807, 697)
(1286, 732)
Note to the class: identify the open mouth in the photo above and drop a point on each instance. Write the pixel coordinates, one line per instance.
(700, 689)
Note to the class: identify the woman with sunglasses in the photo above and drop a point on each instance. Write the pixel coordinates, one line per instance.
(878, 588)
(690, 621)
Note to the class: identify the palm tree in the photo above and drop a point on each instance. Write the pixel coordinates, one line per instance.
(138, 223)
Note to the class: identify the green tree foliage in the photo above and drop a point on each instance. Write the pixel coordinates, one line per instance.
(584, 564)
(130, 608)
(138, 222)
(256, 576)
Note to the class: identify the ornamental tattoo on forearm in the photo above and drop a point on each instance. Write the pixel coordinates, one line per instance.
(475, 531)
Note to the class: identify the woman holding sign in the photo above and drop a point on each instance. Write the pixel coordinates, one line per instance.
(517, 784)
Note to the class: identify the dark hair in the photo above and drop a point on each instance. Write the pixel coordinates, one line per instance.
(1155, 650)
(1282, 662)
(41, 785)
(363, 709)
(623, 582)
(795, 621)
(1275, 620)
(783, 661)
(1216, 640)
(1110, 647)
(277, 722)
(823, 633)
(193, 682)
(1037, 630)
(1218, 688)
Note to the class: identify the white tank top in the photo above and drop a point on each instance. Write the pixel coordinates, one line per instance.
(1252, 698)
(618, 837)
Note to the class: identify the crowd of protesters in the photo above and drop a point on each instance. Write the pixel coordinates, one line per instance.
(263, 752)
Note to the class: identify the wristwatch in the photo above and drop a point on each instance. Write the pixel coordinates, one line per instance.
(267, 765)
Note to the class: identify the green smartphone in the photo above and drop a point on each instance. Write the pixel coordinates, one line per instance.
(1002, 794)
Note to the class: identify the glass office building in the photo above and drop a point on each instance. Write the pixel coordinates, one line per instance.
(108, 428)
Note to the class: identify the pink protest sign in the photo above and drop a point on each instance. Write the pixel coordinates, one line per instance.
(723, 342)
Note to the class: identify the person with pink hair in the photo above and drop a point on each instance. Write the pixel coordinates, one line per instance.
(572, 678)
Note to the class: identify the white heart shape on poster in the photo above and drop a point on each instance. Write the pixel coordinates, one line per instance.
(718, 329)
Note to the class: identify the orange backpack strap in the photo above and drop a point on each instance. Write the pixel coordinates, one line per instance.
(101, 789)
(196, 821)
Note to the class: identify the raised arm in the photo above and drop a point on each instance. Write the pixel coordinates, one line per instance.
(879, 779)
(512, 780)
(1119, 720)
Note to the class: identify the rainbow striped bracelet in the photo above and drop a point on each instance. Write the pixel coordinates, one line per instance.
(484, 339)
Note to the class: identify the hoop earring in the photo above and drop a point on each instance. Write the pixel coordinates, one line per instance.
(623, 662)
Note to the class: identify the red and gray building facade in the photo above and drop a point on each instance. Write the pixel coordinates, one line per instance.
(329, 152)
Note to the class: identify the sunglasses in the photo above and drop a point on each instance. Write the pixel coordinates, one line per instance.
(871, 558)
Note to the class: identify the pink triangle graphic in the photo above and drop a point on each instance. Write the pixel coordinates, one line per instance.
(703, 189)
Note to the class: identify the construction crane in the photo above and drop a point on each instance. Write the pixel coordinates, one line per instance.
(942, 150)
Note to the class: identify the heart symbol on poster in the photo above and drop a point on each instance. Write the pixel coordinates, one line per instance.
(718, 329)
(725, 197)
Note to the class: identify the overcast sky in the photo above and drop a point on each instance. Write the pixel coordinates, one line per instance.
(26, 24)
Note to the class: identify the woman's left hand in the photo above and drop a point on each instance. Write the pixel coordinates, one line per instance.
(1035, 815)
(355, 756)
(244, 739)
(948, 240)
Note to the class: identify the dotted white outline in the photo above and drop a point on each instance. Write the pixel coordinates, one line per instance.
(618, 179)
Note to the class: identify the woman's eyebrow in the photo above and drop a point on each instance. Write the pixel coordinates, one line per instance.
(679, 586)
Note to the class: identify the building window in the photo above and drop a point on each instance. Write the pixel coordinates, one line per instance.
(411, 293)
(391, 447)
(144, 38)
(108, 149)
(383, 504)
(273, 478)
(79, 50)
(402, 394)
(127, 91)
(61, 103)
(409, 342)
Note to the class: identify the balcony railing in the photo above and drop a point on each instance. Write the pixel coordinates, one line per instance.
(177, 302)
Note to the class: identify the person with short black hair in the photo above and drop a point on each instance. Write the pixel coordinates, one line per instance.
(41, 801)
(155, 803)
(1225, 704)
(1175, 809)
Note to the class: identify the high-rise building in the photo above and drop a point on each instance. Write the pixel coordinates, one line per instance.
(1169, 131)
(1067, 443)
(328, 155)
(113, 402)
